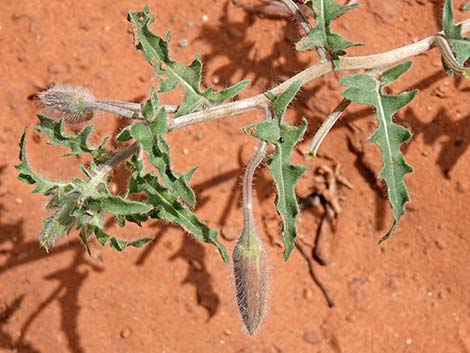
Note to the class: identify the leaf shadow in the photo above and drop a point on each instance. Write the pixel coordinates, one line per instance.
(17, 252)
(457, 132)
(244, 59)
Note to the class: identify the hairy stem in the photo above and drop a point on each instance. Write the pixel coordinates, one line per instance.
(326, 126)
(303, 22)
(248, 221)
(346, 64)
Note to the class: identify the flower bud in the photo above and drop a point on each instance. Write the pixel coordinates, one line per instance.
(75, 104)
(251, 276)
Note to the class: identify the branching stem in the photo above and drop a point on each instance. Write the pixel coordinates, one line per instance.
(346, 64)
(326, 126)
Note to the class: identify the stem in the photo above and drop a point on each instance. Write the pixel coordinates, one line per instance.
(326, 126)
(121, 155)
(294, 9)
(346, 64)
(448, 55)
(248, 220)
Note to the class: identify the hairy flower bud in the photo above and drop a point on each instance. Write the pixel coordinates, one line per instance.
(251, 277)
(75, 104)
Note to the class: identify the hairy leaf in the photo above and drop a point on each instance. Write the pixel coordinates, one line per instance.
(151, 135)
(284, 137)
(77, 143)
(366, 89)
(119, 206)
(460, 45)
(28, 176)
(321, 36)
(171, 73)
(166, 206)
(61, 222)
(118, 244)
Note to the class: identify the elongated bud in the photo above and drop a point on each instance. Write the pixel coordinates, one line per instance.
(251, 277)
(74, 104)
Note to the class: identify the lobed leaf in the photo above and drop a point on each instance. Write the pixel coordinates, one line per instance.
(460, 45)
(171, 73)
(366, 89)
(321, 36)
(77, 143)
(28, 176)
(151, 136)
(284, 137)
(166, 206)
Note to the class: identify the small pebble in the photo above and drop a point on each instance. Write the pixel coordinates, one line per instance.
(189, 23)
(307, 294)
(183, 43)
(19, 201)
(409, 341)
(205, 18)
(215, 79)
(125, 333)
(311, 337)
(227, 332)
(185, 151)
(196, 265)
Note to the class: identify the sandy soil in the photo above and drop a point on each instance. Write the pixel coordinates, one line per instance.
(175, 295)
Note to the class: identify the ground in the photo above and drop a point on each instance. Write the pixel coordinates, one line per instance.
(409, 294)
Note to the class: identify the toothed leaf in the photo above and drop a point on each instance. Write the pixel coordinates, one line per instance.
(171, 73)
(321, 36)
(28, 176)
(117, 244)
(389, 136)
(284, 137)
(77, 143)
(119, 206)
(151, 135)
(460, 45)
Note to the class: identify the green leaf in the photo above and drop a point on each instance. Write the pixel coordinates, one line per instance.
(77, 143)
(321, 35)
(28, 176)
(151, 135)
(61, 222)
(366, 89)
(460, 45)
(117, 244)
(171, 73)
(166, 206)
(284, 137)
(119, 206)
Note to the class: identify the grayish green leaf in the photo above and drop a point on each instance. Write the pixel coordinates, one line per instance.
(77, 143)
(284, 137)
(171, 73)
(365, 89)
(151, 135)
(118, 206)
(28, 176)
(460, 45)
(321, 35)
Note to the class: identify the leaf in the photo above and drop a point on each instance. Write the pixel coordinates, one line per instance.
(28, 176)
(166, 206)
(151, 135)
(171, 73)
(77, 143)
(365, 89)
(284, 137)
(61, 222)
(460, 45)
(321, 35)
(117, 244)
(119, 206)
